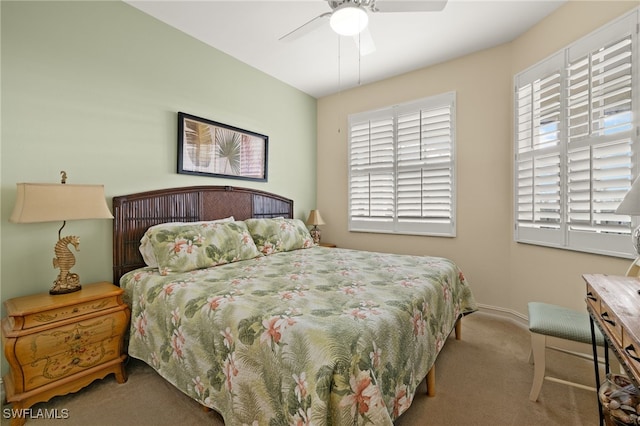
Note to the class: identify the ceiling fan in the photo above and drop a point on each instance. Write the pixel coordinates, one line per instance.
(350, 18)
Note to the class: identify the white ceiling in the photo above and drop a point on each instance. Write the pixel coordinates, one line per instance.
(322, 63)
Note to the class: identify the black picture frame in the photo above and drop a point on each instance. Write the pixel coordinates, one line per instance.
(209, 148)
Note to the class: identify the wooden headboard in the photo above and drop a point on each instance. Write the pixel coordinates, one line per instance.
(134, 213)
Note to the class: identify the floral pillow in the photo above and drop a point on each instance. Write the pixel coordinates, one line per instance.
(146, 249)
(277, 235)
(189, 246)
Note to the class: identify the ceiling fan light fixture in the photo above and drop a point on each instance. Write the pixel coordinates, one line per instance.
(349, 19)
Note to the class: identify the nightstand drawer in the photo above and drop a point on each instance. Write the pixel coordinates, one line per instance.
(66, 312)
(72, 337)
(70, 361)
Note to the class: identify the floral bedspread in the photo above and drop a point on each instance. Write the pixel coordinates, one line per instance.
(318, 336)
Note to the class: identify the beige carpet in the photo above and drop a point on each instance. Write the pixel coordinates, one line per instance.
(483, 379)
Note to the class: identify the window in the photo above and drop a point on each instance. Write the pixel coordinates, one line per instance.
(577, 144)
(401, 168)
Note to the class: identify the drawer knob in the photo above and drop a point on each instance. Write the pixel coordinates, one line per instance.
(75, 310)
(629, 349)
(605, 318)
(75, 361)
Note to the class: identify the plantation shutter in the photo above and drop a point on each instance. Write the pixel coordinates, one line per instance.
(600, 135)
(372, 164)
(538, 154)
(401, 168)
(425, 168)
(576, 142)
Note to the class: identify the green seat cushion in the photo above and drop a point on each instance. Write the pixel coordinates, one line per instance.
(557, 321)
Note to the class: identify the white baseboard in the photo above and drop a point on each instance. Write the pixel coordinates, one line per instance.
(509, 314)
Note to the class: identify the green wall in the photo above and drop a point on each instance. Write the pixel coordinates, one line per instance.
(93, 88)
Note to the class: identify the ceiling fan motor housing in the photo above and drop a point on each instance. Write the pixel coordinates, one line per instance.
(369, 4)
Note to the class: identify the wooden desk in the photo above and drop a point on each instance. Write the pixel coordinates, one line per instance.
(613, 303)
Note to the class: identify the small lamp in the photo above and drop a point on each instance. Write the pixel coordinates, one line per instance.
(630, 205)
(45, 202)
(315, 219)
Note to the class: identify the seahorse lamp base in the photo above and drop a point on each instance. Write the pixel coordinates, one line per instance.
(67, 282)
(59, 288)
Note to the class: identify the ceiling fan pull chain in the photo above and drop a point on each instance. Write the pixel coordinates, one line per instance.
(339, 66)
(359, 60)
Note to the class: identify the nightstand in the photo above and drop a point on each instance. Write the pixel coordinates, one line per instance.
(58, 344)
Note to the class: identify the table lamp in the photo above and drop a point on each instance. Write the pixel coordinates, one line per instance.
(630, 205)
(45, 202)
(315, 219)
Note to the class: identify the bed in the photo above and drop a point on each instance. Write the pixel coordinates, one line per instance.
(233, 304)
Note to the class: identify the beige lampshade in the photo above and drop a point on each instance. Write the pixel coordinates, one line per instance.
(315, 218)
(630, 205)
(53, 202)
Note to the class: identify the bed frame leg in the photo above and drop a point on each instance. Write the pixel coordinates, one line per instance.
(431, 374)
(431, 381)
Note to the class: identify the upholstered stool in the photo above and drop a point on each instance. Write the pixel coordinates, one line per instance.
(556, 321)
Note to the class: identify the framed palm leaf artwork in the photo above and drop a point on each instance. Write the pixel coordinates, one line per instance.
(209, 148)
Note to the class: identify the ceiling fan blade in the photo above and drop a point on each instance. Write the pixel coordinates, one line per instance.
(306, 28)
(364, 42)
(409, 5)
